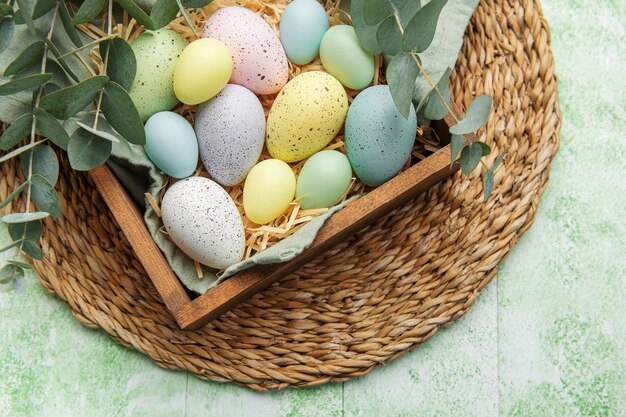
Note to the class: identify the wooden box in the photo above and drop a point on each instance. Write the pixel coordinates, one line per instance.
(192, 313)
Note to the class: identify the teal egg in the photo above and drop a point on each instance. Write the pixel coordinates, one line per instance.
(171, 144)
(379, 139)
(302, 27)
(323, 180)
(344, 58)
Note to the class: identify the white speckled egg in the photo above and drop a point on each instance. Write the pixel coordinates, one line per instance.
(203, 221)
(231, 131)
(260, 63)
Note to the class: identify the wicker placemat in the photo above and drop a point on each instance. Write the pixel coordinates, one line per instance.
(374, 297)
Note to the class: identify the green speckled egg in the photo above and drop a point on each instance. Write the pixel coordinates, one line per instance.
(306, 115)
(156, 53)
(344, 57)
(323, 180)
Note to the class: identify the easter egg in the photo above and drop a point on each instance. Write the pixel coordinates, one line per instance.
(231, 132)
(268, 190)
(344, 57)
(306, 115)
(302, 27)
(323, 180)
(156, 53)
(203, 221)
(379, 139)
(171, 144)
(203, 70)
(260, 63)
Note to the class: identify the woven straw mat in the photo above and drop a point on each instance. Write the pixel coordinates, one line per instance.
(368, 300)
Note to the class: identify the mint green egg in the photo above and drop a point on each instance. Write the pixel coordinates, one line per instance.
(302, 27)
(171, 144)
(344, 57)
(323, 180)
(156, 53)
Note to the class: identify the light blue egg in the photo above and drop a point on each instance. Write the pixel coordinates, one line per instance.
(379, 139)
(302, 27)
(171, 144)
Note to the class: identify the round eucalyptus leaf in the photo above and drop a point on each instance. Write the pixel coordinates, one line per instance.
(7, 28)
(122, 65)
(121, 113)
(365, 32)
(43, 194)
(421, 29)
(88, 11)
(50, 128)
(32, 249)
(16, 131)
(87, 151)
(389, 36)
(163, 12)
(66, 20)
(25, 83)
(375, 11)
(30, 230)
(70, 100)
(456, 143)
(31, 55)
(23, 217)
(402, 72)
(44, 162)
(470, 157)
(488, 185)
(137, 13)
(475, 117)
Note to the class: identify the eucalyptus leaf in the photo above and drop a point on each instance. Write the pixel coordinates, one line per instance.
(196, 4)
(9, 273)
(389, 36)
(44, 196)
(42, 7)
(5, 10)
(122, 65)
(29, 230)
(61, 60)
(375, 11)
(23, 217)
(11, 245)
(183, 11)
(137, 13)
(498, 160)
(44, 163)
(7, 28)
(163, 12)
(407, 10)
(25, 14)
(66, 20)
(488, 185)
(87, 151)
(456, 143)
(50, 128)
(420, 31)
(484, 148)
(16, 131)
(104, 135)
(365, 32)
(470, 157)
(19, 264)
(33, 54)
(14, 194)
(70, 100)
(32, 249)
(89, 10)
(25, 83)
(120, 112)
(401, 74)
(434, 108)
(20, 150)
(475, 117)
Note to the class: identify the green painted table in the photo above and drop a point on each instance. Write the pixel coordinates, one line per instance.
(547, 338)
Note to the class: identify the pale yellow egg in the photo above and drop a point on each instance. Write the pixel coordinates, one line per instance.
(268, 190)
(202, 70)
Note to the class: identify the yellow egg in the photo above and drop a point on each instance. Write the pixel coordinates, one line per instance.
(268, 190)
(202, 70)
(306, 115)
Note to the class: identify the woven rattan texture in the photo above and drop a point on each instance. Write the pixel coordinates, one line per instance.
(374, 297)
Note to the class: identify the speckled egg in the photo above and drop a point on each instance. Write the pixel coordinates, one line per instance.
(379, 139)
(323, 180)
(203, 221)
(171, 144)
(268, 190)
(302, 27)
(231, 132)
(260, 63)
(306, 115)
(156, 53)
(202, 71)
(344, 57)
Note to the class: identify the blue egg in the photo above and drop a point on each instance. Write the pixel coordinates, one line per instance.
(171, 144)
(379, 139)
(302, 27)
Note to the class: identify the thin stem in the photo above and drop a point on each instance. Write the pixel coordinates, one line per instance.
(105, 63)
(87, 45)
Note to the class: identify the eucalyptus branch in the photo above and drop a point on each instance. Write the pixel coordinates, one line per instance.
(105, 62)
(87, 45)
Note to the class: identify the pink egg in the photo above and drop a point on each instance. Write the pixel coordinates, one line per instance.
(260, 62)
